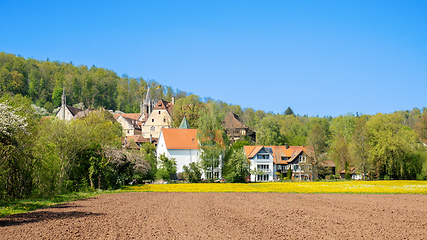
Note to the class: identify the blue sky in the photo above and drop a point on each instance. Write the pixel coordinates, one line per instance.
(318, 57)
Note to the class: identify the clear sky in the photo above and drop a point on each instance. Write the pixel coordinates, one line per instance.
(318, 57)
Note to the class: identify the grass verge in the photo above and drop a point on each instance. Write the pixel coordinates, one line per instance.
(23, 206)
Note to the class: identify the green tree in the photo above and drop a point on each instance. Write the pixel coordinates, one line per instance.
(393, 147)
(148, 152)
(211, 142)
(237, 167)
(18, 124)
(269, 132)
(360, 145)
(289, 173)
(193, 172)
(289, 111)
(166, 169)
(191, 107)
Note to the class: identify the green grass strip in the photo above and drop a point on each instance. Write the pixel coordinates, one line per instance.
(23, 206)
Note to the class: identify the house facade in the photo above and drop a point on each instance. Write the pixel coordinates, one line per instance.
(274, 161)
(183, 145)
(180, 144)
(261, 160)
(130, 124)
(236, 129)
(159, 118)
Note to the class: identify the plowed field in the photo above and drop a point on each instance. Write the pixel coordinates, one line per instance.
(149, 215)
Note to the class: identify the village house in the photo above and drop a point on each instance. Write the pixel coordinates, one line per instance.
(261, 163)
(236, 129)
(182, 145)
(270, 162)
(130, 124)
(159, 118)
(353, 174)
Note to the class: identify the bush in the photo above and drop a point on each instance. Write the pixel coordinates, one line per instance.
(421, 177)
(289, 173)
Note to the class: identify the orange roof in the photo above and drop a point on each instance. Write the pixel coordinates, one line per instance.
(180, 138)
(291, 152)
(133, 116)
(251, 150)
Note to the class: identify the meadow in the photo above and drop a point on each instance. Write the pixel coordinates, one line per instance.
(351, 187)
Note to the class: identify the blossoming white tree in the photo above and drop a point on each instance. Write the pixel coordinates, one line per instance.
(10, 122)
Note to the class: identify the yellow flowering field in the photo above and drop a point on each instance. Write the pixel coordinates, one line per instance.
(374, 187)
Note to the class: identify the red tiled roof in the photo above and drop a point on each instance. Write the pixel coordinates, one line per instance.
(139, 139)
(180, 138)
(251, 150)
(133, 116)
(291, 152)
(162, 104)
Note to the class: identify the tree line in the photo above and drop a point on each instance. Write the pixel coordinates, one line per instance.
(43, 83)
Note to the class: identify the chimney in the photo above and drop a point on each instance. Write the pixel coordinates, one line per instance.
(151, 139)
(173, 100)
(286, 146)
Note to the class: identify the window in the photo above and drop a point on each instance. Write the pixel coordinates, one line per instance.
(153, 128)
(263, 156)
(296, 167)
(164, 119)
(264, 167)
(159, 112)
(285, 158)
(262, 177)
(152, 120)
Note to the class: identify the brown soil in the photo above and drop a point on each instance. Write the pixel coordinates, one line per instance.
(226, 216)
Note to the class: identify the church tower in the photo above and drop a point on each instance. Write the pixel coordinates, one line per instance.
(146, 106)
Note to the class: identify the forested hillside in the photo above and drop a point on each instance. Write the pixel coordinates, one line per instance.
(43, 82)
(42, 157)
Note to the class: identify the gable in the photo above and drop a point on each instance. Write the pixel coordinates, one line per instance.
(162, 104)
(233, 121)
(159, 117)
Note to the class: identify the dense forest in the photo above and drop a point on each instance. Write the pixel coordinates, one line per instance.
(40, 156)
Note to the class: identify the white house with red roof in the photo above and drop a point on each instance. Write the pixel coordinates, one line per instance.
(180, 144)
(271, 159)
(183, 145)
(261, 159)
